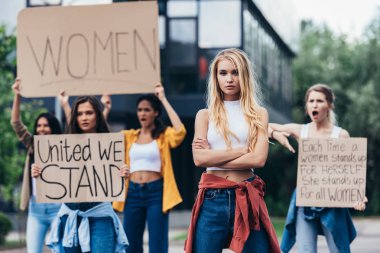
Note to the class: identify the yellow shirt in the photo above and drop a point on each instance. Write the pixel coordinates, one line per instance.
(170, 138)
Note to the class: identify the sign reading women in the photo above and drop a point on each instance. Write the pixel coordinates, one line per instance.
(79, 167)
(331, 172)
(88, 50)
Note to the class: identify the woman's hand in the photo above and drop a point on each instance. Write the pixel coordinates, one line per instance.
(360, 206)
(63, 98)
(36, 170)
(16, 86)
(282, 138)
(200, 143)
(106, 101)
(125, 171)
(159, 91)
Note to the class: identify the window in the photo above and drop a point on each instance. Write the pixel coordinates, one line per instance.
(182, 42)
(220, 24)
(161, 31)
(182, 8)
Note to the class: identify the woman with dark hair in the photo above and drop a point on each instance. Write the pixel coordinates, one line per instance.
(152, 189)
(88, 120)
(40, 215)
(87, 226)
(303, 224)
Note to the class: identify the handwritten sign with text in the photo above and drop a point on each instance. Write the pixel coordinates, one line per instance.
(88, 50)
(79, 167)
(331, 172)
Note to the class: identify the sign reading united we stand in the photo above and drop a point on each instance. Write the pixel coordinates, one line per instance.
(79, 167)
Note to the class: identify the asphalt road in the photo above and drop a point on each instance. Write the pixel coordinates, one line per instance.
(367, 241)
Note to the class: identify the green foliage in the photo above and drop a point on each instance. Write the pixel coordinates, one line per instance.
(279, 175)
(11, 156)
(351, 68)
(5, 227)
(8, 142)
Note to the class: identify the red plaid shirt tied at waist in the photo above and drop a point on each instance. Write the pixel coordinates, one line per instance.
(250, 211)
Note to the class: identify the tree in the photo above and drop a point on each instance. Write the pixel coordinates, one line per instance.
(363, 118)
(12, 157)
(351, 69)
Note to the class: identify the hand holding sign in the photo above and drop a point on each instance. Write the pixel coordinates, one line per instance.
(16, 86)
(36, 170)
(125, 171)
(360, 206)
(159, 91)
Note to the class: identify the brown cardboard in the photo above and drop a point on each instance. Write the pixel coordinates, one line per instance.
(331, 172)
(88, 50)
(79, 167)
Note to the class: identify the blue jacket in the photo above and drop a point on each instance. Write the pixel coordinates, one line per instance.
(337, 220)
(74, 235)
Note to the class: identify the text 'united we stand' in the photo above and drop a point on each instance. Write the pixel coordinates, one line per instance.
(80, 167)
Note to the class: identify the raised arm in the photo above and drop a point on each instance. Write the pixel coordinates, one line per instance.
(210, 157)
(64, 102)
(173, 116)
(107, 103)
(18, 126)
(15, 116)
(258, 156)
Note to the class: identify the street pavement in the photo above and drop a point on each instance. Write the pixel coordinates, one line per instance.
(367, 241)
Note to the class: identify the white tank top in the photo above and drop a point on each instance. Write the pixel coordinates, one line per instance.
(145, 157)
(305, 131)
(236, 123)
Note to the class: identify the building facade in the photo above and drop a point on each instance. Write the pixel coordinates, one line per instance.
(191, 32)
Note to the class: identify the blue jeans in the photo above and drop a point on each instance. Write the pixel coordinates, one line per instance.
(215, 225)
(144, 204)
(40, 217)
(307, 234)
(102, 235)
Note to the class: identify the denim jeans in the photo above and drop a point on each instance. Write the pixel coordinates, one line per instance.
(144, 204)
(307, 234)
(40, 217)
(215, 225)
(102, 235)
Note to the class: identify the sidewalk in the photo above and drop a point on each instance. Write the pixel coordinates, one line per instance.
(367, 241)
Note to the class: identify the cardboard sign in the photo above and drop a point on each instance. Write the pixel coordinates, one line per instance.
(79, 167)
(88, 50)
(331, 172)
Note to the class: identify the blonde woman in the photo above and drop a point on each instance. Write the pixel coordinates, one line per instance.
(231, 140)
(303, 224)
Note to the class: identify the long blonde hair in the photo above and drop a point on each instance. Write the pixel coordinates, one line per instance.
(330, 98)
(250, 97)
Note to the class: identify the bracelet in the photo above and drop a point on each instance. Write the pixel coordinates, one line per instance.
(271, 135)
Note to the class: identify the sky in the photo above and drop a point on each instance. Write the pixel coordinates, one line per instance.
(342, 16)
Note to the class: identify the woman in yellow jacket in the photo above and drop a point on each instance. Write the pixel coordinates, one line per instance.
(152, 189)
